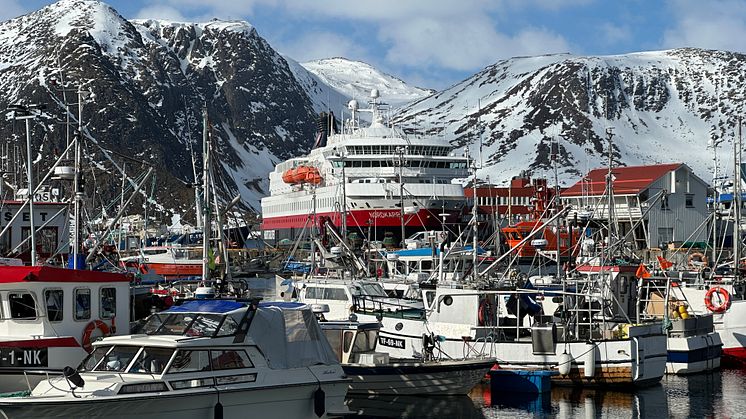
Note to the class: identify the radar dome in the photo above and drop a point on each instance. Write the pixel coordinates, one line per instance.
(352, 105)
(374, 94)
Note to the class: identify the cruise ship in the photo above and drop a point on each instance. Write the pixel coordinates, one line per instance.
(369, 180)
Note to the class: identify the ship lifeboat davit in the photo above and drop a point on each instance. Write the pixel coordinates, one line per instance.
(289, 176)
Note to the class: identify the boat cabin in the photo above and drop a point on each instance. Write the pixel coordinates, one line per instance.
(353, 342)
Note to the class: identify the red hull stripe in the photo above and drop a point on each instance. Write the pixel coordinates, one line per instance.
(11, 274)
(66, 342)
(735, 352)
(364, 218)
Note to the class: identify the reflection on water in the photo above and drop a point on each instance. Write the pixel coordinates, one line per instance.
(411, 407)
(716, 395)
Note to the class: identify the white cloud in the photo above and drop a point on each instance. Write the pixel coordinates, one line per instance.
(317, 45)
(161, 12)
(614, 34)
(459, 45)
(717, 24)
(10, 9)
(224, 9)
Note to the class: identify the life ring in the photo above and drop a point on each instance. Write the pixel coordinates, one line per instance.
(485, 313)
(697, 260)
(89, 328)
(724, 302)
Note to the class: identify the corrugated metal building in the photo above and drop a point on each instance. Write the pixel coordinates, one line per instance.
(668, 199)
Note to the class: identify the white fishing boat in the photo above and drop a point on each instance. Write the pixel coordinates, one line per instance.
(375, 373)
(52, 315)
(509, 325)
(211, 358)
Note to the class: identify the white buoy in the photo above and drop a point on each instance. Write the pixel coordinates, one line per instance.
(589, 360)
(565, 363)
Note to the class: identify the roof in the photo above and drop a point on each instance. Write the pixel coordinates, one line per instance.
(630, 180)
(11, 274)
(207, 306)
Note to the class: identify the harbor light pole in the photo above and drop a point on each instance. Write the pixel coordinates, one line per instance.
(26, 113)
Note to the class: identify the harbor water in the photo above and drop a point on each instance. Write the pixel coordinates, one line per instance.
(717, 395)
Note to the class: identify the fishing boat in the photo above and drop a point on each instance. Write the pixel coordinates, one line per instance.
(169, 262)
(212, 358)
(375, 181)
(375, 373)
(51, 316)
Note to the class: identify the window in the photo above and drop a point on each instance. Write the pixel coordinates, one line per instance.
(82, 304)
(190, 361)
(118, 358)
(22, 305)
(314, 293)
(690, 200)
(229, 359)
(46, 240)
(93, 359)
(335, 341)
(54, 300)
(195, 382)
(335, 294)
(108, 303)
(236, 379)
(152, 360)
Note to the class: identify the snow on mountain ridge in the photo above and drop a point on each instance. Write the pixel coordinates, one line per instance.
(356, 79)
(664, 106)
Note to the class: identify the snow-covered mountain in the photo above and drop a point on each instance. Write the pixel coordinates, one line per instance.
(355, 80)
(150, 81)
(663, 107)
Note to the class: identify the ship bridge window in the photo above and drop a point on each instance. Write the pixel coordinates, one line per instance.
(22, 305)
(82, 304)
(108, 304)
(190, 361)
(54, 300)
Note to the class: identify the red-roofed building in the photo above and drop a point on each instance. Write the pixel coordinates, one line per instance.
(664, 202)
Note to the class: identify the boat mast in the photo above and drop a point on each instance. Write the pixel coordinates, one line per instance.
(30, 191)
(555, 152)
(474, 228)
(737, 202)
(610, 191)
(400, 153)
(206, 229)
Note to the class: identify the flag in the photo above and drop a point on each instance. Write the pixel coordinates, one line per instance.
(665, 264)
(642, 272)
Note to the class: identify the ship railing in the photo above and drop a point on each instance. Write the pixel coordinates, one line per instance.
(498, 324)
(390, 307)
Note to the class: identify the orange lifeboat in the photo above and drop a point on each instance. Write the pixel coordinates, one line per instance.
(301, 173)
(288, 176)
(313, 176)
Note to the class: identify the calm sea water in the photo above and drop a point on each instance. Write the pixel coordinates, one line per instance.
(716, 395)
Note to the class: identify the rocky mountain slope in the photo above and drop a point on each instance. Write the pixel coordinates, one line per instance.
(150, 81)
(662, 106)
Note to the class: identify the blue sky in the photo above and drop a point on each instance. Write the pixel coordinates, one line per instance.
(435, 43)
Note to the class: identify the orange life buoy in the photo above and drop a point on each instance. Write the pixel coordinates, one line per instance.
(89, 328)
(723, 296)
(697, 261)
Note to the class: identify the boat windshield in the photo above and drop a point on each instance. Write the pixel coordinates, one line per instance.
(117, 358)
(371, 290)
(365, 341)
(190, 324)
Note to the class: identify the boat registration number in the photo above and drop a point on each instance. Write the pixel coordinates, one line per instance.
(21, 357)
(391, 342)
